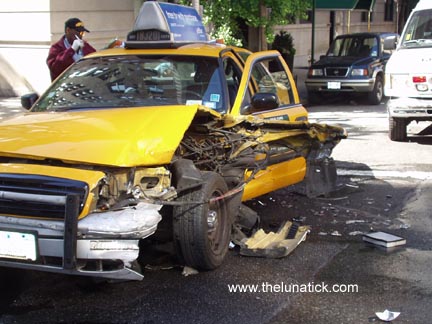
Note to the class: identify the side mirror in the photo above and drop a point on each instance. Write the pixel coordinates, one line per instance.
(390, 43)
(264, 101)
(28, 100)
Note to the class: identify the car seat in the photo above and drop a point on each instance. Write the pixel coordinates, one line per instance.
(364, 51)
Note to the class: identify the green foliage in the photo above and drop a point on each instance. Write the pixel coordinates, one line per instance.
(224, 32)
(283, 42)
(226, 14)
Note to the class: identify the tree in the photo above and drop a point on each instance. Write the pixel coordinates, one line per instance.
(230, 15)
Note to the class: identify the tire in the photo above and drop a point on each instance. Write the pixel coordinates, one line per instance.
(397, 129)
(202, 232)
(376, 96)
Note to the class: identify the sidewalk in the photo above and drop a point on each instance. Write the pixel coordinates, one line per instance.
(10, 106)
(10, 102)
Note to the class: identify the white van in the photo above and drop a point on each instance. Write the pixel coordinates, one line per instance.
(408, 73)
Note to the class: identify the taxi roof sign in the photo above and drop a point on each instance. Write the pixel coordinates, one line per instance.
(162, 24)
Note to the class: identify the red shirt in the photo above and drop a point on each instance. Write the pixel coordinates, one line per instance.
(60, 57)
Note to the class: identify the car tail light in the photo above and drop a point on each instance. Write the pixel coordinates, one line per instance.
(419, 79)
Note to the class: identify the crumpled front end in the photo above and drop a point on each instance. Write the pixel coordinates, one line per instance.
(77, 221)
(261, 155)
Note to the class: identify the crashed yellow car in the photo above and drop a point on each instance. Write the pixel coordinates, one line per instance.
(155, 132)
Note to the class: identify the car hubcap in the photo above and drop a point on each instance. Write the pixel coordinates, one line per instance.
(212, 220)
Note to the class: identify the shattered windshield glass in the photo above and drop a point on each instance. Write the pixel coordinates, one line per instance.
(136, 81)
(418, 32)
(357, 46)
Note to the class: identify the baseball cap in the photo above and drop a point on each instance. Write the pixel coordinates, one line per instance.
(76, 24)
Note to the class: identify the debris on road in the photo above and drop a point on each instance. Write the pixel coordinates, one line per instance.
(274, 245)
(383, 239)
(354, 221)
(387, 316)
(351, 185)
(354, 233)
(188, 271)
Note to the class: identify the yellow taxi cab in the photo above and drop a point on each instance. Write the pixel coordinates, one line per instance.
(172, 130)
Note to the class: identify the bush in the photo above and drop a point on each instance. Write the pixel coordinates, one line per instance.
(284, 43)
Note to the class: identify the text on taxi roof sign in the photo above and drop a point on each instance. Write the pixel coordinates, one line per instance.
(161, 22)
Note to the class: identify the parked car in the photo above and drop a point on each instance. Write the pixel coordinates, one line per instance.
(116, 153)
(354, 63)
(409, 74)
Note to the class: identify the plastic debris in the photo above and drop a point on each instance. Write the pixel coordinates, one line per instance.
(354, 221)
(157, 268)
(300, 219)
(274, 245)
(387, 316)
(188, 271)
(356, 233)
(351, 185)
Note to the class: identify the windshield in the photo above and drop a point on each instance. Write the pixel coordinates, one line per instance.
(136, 81)
(418, 32)
(357, 46)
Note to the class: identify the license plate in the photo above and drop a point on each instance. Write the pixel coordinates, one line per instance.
(17, 245)
(333, 85)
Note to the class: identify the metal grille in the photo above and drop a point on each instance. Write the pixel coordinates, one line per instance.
(38, 196)
(336, 71)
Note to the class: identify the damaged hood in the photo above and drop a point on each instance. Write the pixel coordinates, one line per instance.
(117, 137)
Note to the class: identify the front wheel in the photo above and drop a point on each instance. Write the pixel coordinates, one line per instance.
(202, 231)
(375, 97)
(397, 129)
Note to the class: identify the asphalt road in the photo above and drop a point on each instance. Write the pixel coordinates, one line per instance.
(382, 185)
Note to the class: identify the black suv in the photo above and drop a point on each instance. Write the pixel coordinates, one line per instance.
(354, 64)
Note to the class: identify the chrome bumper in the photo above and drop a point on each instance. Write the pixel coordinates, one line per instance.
(99, 237)
(414, 108)
(321, 85)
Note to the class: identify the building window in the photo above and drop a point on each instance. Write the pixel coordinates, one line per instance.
(364, 16)
(388, 10)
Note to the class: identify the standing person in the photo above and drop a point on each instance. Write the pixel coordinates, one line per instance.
(69, 49)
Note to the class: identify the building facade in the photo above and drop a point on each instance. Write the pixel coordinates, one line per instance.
(28, 28)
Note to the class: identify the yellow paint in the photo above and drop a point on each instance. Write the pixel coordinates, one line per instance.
(275, 177)
(119, 137)
(294, 113)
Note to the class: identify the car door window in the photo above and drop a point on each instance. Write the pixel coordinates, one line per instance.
(233, 77)
(269, 76)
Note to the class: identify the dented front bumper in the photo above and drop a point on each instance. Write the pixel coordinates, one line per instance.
(101, 245)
